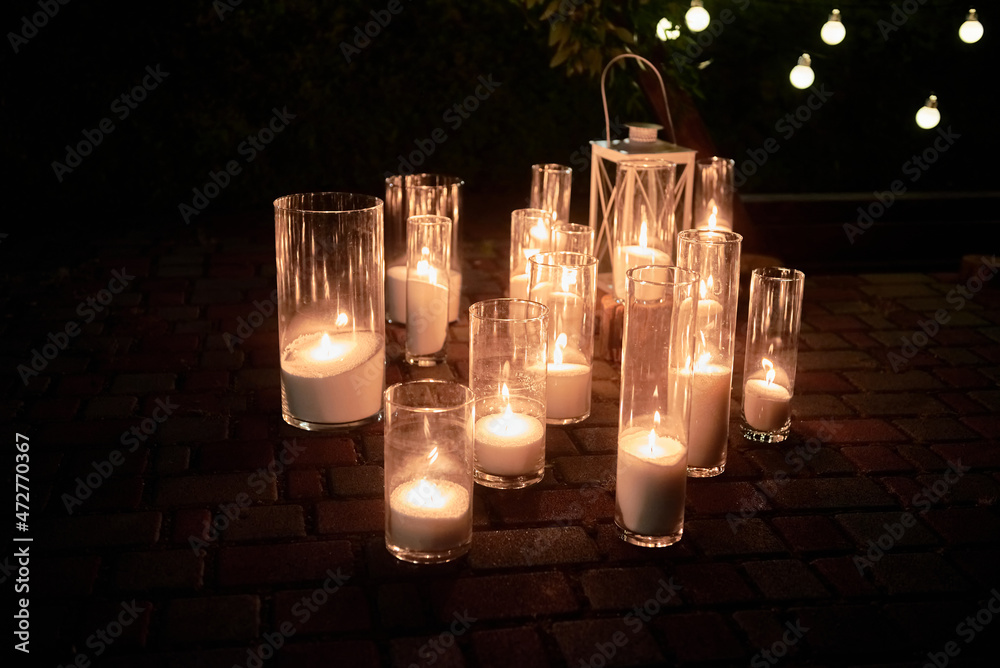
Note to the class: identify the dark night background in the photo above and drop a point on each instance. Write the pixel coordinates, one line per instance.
(353, 120)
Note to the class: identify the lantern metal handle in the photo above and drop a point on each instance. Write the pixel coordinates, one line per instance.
(604, 95)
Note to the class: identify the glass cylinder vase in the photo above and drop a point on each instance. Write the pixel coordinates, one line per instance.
(331, 314)
(507, 372)
(645, 225)
(715, 256)
(713, 194)
(550, 190)
(415, 195)
(530, 233)
(656, 388)
(427, 288)
(428, 470)
(771, 352)
(571, 238)
(566, 283)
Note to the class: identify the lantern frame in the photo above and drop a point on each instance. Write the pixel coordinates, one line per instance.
(641, 144)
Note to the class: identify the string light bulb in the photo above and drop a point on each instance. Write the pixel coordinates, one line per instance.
(697, 18)
(833, 31)
(666, 30)
(928, 115)
(802, 75)
(971, 31)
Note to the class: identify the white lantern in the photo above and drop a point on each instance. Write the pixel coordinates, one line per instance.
(642, 144)
(697, 18)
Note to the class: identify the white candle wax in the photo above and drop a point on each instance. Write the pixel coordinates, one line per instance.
(427, 329)
(343, 384)
(766, 406)
(429, 515)
(708, 434)
(709, 313)
(519, 286)
(454, 294)
(651, 482)
(627, 257)
(509, 443)
(395, 281)
(567, 390)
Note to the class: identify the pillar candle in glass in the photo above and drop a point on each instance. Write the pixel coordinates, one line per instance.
(427, 288)
(771, 352)
(645, 225)
(416, 195)
(715, 256)
(507, 370)
(713, 193)
(566, 283)
(550, 190)
(530, 232)
(428, 470)
(656, 389)
(331, 314)
(572, 238)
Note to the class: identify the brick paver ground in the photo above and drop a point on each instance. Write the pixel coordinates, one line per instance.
(177, 521)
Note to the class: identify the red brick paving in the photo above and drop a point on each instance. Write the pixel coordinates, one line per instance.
(775, 541)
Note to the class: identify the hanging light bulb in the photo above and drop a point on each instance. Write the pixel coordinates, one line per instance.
(666, 30)
(697, 18)
(833, 30)
(928, 115)
(802, 75)
(972, 30)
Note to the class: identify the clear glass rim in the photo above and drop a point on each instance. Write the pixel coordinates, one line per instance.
(470, 396)
(530, 212)
(571, 259)
(399, 180)
(778, 274)
(715, 160)
(541, 311)
(364, 202)
(428, 220)
(709, 236)
(680, 276)
(552, 167)
(574, 228)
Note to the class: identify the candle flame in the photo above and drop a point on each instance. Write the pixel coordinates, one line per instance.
(326, 350)
(568, 279)
(426, 495)
(642, 235)
(712, 217)
(652, 432)
(539, 231)
(769, 366)
(341, 320)
(557, 352)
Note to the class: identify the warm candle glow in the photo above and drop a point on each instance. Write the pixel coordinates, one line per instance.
(557, 354)
(769, 375)
(341, 320)
(539, 231)
(642, 235)
(568, 279)
(652, 434)
(712, 217)
(426, 495)
(327, 350)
